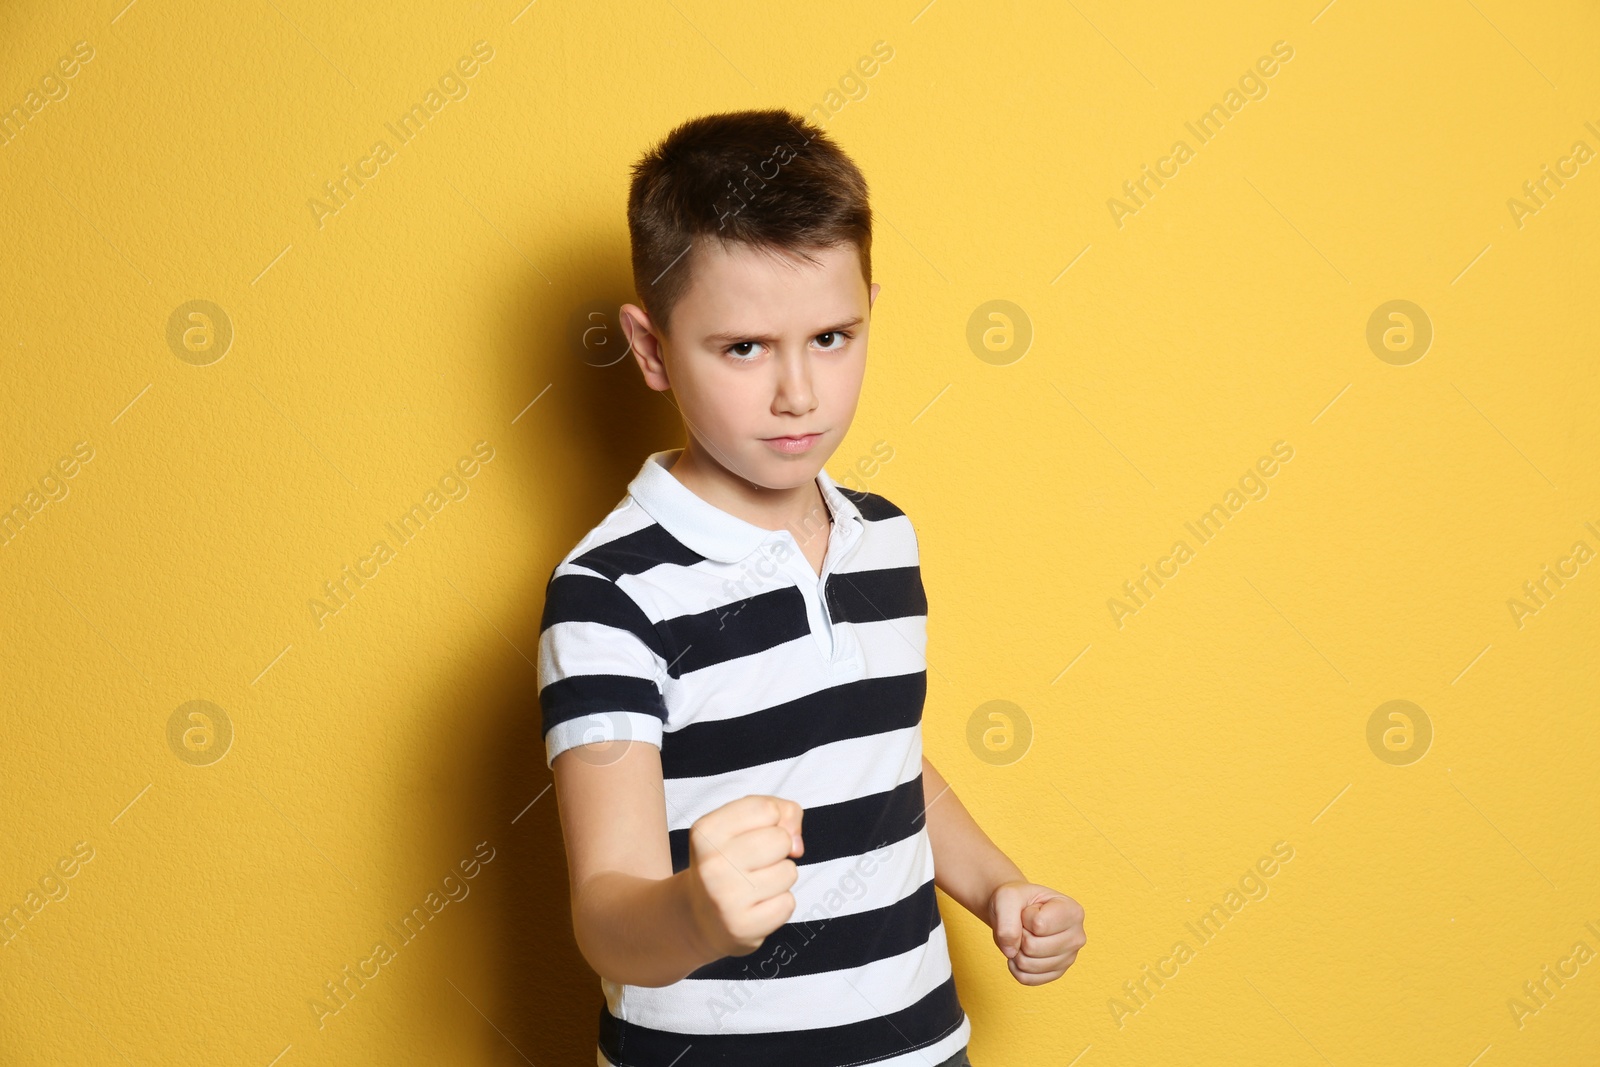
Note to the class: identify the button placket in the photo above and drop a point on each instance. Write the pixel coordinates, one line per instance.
(837, 649)
(839, 549)
(810, 586)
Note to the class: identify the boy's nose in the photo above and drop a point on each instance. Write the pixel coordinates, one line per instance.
(794, 384)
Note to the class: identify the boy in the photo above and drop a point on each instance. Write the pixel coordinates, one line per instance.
(738, 648)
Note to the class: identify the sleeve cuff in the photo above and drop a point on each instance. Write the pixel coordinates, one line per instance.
(607, 726)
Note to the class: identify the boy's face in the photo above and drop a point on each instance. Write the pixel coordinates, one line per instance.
(762, 345)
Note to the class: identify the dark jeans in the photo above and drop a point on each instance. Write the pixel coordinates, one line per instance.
(958, 1060)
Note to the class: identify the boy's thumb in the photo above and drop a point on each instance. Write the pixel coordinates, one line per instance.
(1007, 923)
(790, 814)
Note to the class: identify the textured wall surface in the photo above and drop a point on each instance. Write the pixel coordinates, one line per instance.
(1237, 366)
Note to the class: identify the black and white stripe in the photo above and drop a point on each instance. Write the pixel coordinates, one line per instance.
(714, 653)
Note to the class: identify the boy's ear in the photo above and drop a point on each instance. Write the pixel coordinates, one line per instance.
(872, 295)
(646, 346)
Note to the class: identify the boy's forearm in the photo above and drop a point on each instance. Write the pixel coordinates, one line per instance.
(967, 865)
(637, 931)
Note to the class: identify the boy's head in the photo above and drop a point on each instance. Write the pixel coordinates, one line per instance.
(752, 239)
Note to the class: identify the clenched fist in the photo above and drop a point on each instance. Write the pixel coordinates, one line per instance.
(740, 872)
(1039, 929)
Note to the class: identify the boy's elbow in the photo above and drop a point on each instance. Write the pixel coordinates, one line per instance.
(623, 969)
(590, 946)
(596, 940)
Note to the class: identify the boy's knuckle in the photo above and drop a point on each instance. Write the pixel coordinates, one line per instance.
(728, 891)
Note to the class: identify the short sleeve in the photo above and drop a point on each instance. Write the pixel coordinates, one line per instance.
(599, 661)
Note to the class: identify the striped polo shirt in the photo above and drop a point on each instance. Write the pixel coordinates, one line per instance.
(677, 624)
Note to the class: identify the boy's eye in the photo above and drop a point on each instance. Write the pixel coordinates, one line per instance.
(741, 351)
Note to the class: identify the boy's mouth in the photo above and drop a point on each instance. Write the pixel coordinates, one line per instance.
(795, 443)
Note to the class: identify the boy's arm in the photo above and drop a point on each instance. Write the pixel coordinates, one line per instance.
(1038, 928)
(631, 915)
(966, 864)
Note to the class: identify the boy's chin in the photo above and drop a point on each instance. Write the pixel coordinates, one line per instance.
(768, 467)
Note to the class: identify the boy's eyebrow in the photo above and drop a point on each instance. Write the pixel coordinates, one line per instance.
(730, 338)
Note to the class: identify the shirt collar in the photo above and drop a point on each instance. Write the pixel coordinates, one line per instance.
(709, 530)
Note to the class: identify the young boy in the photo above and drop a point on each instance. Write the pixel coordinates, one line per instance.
(738, 648)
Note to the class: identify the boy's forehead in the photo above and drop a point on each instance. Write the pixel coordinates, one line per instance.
(734, 280)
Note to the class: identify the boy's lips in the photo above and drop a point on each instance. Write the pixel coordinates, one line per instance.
(793, 443)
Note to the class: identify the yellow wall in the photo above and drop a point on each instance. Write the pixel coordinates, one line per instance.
(370, 754)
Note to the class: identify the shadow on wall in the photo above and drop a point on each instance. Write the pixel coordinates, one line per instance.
(586, 439)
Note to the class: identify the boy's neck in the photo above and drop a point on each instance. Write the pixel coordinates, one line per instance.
(797, 510)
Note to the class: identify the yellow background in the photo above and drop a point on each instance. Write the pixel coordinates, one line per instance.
(374, 753)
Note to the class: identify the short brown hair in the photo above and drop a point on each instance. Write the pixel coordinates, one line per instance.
(709, 178)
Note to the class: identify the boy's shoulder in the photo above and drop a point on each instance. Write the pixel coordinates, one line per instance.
(583, 585)
(889, 525)
(614, 546)
(874, 507)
